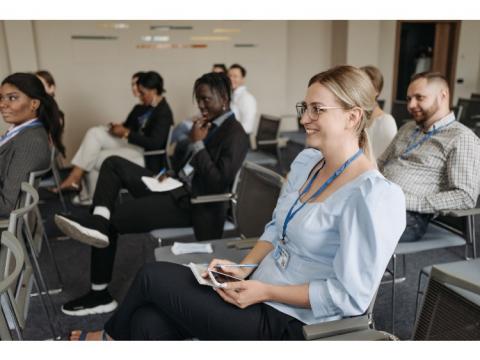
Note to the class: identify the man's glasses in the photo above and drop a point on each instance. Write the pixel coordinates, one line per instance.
(313, 110)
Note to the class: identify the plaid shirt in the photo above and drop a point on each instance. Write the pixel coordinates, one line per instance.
(441, 173)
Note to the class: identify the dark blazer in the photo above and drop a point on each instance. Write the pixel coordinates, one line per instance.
(215, 170)
(132, 119)
(26, 152)
(154, 134)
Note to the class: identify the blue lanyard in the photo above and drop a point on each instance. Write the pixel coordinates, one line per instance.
(291, 213)
(411, 146)
(10, 134)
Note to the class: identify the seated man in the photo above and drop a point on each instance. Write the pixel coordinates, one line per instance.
(434, 159)
(218, 147)
(243, 103)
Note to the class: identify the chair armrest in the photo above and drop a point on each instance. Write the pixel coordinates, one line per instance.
(460, 213)
(365, 335)
(154, 152)
(204, 199)
(242, 244)
(336, 327)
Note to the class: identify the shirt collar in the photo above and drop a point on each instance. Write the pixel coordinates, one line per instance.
(443, 121)
(19, 127)
(219, 121)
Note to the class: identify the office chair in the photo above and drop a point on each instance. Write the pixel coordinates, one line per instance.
(400, 112)
(253, 198)
(31, 273)
(470, 113)
(152, 155)
(10, 252)
(451, 307)
(267, 142)
(452, 228)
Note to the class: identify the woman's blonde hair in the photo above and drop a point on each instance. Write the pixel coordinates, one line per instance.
(352, 89)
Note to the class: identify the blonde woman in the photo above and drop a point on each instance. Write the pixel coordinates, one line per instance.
(321, 257)
(381, 127)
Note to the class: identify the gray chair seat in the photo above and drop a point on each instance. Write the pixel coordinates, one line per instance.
(436, 237)
(184, 231)
(261, 158)
(221, 249)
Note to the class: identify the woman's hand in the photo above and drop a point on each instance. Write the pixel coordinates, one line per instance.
(199, 130)
(118, 130)
(244, 293)
(239, 272)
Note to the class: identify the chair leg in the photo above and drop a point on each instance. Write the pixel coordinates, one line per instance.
(394, 265)
(40, 279)
(56, 178)
(55, 264)
(5, 304)
(419, 292)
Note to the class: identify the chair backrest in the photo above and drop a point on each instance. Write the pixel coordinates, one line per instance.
(257, 189)
(451, 306)
(470, 113)
(153, 158)
(18, 221)
(381, 103)
(10, 252)
(475, 96)
(268, 133)
(400, 112)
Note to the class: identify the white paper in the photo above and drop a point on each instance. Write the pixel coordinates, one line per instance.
(190, 248)
(161, 186)
(197, 270)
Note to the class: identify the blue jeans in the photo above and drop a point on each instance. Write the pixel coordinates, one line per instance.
(416, 226)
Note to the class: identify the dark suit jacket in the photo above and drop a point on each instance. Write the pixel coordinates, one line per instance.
(154, 134)
(26, 152)
(132, 119)
(215, 170)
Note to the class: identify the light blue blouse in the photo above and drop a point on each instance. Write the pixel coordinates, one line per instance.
(340, 247)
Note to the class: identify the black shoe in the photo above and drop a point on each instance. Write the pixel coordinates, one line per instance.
(94, 302)
(91, 229)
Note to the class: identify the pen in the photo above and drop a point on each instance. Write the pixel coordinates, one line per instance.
(237, 265)
(159, 174)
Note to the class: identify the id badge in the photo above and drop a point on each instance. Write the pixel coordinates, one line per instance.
(188, 169)
(284, 256)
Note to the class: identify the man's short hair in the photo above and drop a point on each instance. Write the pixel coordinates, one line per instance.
(431, 76)
(239, 67)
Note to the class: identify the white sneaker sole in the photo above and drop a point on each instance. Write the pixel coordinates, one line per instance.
(78, 232)
(100, 309)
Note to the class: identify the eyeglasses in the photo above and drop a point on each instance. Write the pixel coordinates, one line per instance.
(313, 110)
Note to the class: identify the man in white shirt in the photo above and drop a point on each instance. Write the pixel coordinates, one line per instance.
(243, 103)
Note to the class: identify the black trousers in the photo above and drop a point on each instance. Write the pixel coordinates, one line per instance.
(165, 302)
(417, 224)
(147, 211)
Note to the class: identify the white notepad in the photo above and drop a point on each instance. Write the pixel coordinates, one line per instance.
(161, 186)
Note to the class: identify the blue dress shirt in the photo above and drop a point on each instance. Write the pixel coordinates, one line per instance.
(340, 247)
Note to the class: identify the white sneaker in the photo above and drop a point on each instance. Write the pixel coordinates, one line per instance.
(76, 200)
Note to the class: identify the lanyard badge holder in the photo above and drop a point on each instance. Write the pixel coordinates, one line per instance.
(281, 254)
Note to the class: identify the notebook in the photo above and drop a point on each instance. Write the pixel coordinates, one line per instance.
(161, 186)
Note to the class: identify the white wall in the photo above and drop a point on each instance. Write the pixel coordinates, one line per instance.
(308, 53)
(93, 76)
(468, 61)
(4, 65)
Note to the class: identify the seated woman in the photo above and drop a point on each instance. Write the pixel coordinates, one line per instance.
(321, 258)
(34, 121)
(381, 127)
(146, 128)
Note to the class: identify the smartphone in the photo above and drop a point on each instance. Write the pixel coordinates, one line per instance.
(219, 278)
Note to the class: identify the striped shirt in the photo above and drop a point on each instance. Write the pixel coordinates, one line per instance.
(441, 173)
